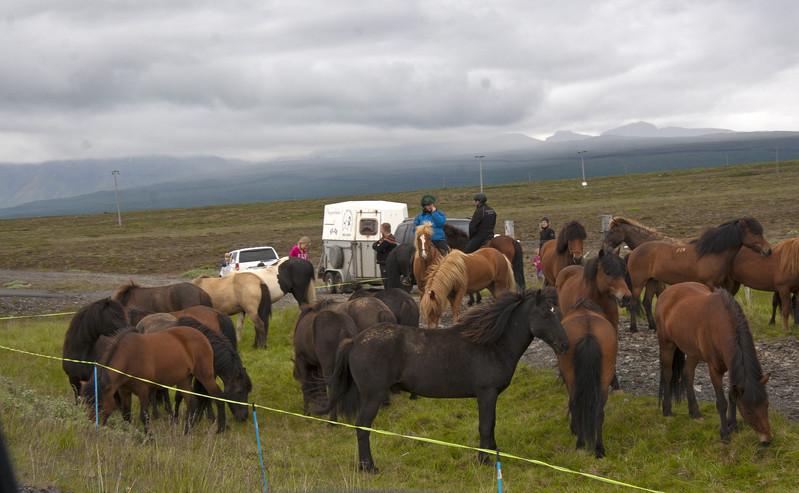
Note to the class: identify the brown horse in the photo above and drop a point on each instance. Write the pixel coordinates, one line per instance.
(170, 357)
(634, 234)
(513, 250)
(426, 254)
(566, 250)
(779, 273)
(401, 304)
(707, 260)
(212, 318)
(161, 299)
(697, 324)
(241, 293)
(457, 274)
(588, 368)
(601, 280)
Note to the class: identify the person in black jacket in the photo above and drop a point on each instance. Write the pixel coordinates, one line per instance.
(383, 247)
(481, 227)
(547, 233)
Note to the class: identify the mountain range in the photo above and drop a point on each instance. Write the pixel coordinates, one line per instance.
(160, 182)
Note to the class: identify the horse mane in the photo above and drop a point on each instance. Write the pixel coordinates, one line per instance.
(610, 263)
(107, 346)
(125, 291)
(745, 371)
(226, 359)
(102, 317)
(726, 236)
(587, 304)
(649, 231)
(487, 323)
(447, 272)
(572, 231)
(789, 255)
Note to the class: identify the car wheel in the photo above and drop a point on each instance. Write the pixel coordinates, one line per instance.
(330, 283)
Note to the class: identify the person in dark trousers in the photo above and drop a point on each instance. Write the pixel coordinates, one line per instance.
(547, 233)
(437, 218)
(481, 227)
(383, 247)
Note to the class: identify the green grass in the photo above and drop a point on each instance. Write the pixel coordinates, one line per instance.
(53, 443)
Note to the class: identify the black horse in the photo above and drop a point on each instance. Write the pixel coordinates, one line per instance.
(296, 276)
(397, 300)
(399, 267)
(776, 303)
(101, 318)
(476, 358)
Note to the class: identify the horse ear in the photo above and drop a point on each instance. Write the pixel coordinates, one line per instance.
(764, 380)
(601, 252)
(432, 295)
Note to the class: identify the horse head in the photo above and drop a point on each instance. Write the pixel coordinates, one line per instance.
(238, 389)
(424, 233)
(431, 308)
(754, 408)
(609, 273)
(753, 236)
(572, 236)
(545, 321)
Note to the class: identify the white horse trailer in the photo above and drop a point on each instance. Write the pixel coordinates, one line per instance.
(350, 229)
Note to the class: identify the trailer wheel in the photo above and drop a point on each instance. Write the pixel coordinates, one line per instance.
(330, 283)
(336, 257)
(340, 282)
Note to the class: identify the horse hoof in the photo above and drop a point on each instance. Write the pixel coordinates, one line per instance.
(370, 468)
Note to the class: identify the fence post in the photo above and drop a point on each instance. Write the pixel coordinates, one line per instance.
(509, 228)
(606, 218)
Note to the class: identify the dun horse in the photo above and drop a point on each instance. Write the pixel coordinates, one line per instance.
(459, 362)
(588, 368)
(707, 260)
(457, 274)
(161, 299)
(566, 250)
(696, 324)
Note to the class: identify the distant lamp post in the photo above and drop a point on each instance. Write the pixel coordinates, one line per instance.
(777, 158)
(582, 165)
(480, 157)
(116, 192)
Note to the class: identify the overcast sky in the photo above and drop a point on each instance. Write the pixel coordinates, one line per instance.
(266, 79)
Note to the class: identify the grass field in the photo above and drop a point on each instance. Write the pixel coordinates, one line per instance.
(54, 443)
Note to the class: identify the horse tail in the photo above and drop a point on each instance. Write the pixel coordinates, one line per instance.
(228, 330)
(677, 382)
(518, 267)
(343, 394)
(586, 401)
(386, 316)
(510, 283)
(408, 314)
(392, 272)
(265, 306)
(310, 291)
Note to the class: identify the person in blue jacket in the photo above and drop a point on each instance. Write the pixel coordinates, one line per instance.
(437, 219)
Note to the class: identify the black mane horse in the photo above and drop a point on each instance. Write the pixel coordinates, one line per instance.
(399, 266)
(476, 358)
(296, 276)
(101, 318)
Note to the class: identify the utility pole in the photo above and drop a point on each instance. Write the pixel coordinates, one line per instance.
(480, 157)
(582, 165)
(777, 157)
(116, 192)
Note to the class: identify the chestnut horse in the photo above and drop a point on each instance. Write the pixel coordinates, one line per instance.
(566, 250)
(426, 254)
(696, 324)
(240, 293)
(601, 280)
(513, 250)
(707, 260)
(161, 299)
(170, 357)
(210, 317)
(457, 274)
(588, 368)
(779, 273)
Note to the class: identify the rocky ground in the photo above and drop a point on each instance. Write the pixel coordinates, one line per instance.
(637, 365)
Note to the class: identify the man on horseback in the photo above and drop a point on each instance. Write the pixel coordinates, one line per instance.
(437, 219)
(481, 227)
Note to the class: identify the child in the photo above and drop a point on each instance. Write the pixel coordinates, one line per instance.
(537, 263)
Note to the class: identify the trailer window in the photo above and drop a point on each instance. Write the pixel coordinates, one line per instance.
(368, 227)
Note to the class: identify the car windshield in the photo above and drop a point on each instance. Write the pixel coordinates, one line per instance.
(257, 255)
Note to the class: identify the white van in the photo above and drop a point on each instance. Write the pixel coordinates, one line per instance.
(349, 230)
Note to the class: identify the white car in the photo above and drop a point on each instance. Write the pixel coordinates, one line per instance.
(249, 258)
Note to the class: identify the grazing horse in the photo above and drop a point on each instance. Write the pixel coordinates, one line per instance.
(101, 318)
(778, 273)
(566, 250)
(707, 260)
(161, 299)
(476, 358)
(426, 254)
(401, 304)
(513, 250)
(241, 293)
(695, 324)
(588, 368)
(210, 317)
(290, 275)
(601, 280)
(459, 273)
(170, 357)
(399, 267)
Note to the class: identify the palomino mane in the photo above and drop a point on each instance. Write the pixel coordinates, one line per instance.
(726, 236)
(745, 371)
(572, 231)
(442, 276)
(610, 263)
(487, 323)
(789, 255)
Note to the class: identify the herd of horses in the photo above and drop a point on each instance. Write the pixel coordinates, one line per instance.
(349, 356)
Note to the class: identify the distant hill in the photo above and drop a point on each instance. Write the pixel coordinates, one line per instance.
(566, 136)
(644, 129)
(162, 182)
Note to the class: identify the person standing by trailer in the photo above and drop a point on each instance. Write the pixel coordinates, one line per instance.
(301, 248)
(383, 247)
(435, 217)
(547, 233)
(481, 227)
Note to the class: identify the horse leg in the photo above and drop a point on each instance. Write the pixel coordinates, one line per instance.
(143, 393)
(785, 299)
(487, 415)
(732, 420)
(775, 302)
(690, 394)
(651, 289)
(666, 372)
(125, 404)
(721, 404)
(239, 325)
(366, 416)
(599, 449)
(634, 307)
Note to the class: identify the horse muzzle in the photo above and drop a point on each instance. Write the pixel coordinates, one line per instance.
(577, 258)
(624, 300)
(765, 251)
